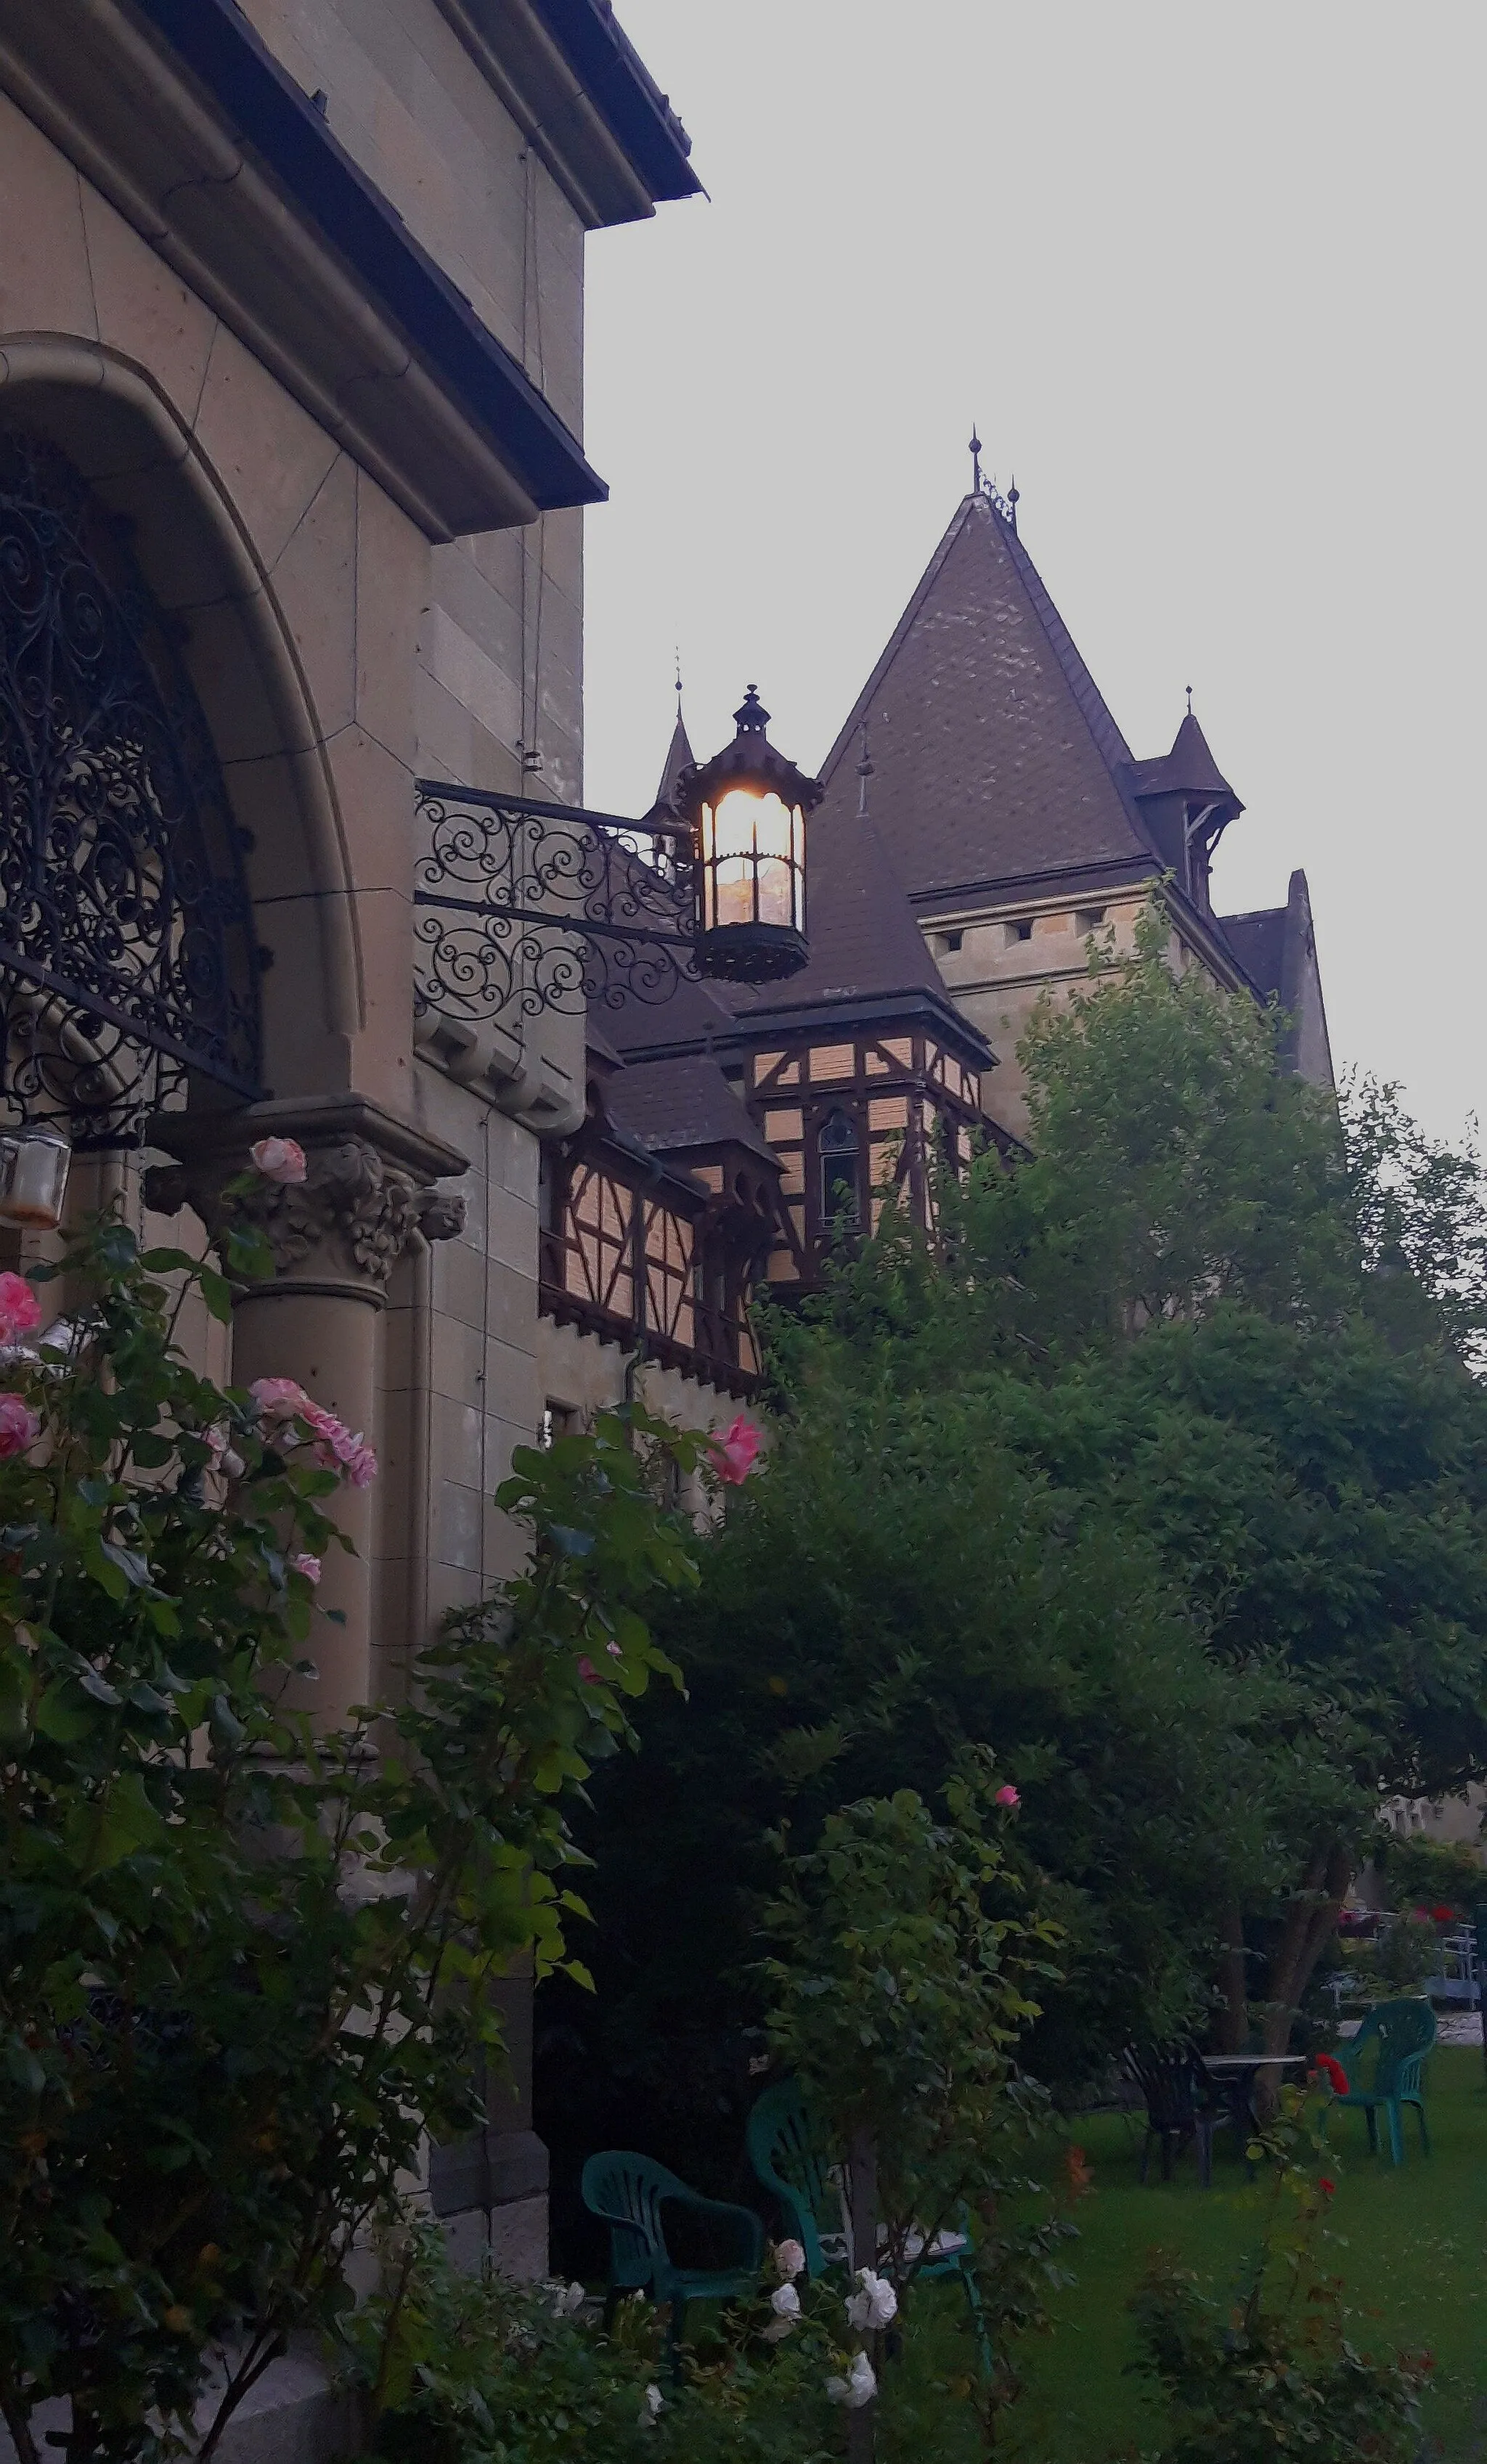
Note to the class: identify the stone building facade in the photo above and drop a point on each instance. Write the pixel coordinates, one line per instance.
(291, 333)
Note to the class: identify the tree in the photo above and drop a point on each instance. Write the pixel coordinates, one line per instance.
(898, 1585)
(1245, 1327)
(1164, 1472)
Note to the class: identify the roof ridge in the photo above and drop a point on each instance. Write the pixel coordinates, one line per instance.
(1093, 707)
(852, 722)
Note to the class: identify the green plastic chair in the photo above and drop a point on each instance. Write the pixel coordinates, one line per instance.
(792, 2159)
(1402, 2034)
(628, 2192)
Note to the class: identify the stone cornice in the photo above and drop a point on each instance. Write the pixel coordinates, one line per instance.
(178, 113)
(613, 152)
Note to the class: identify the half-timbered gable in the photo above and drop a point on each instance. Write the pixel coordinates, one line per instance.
(656, 1218)
(858, 1110)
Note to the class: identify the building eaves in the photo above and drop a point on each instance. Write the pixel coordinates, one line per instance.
(884, 1012)
(584, 102)
(420, 390)
(623, 91)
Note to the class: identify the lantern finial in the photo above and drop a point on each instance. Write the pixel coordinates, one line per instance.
(751, 717)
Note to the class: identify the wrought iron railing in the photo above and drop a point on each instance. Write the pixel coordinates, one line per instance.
(524, 906)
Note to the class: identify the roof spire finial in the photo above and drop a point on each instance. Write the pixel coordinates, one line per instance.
(975, 461)
(1013, 494)
(864, 773)
(1190, 701)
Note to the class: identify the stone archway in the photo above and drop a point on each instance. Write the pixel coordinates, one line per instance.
(337, 1238)
(134, 451)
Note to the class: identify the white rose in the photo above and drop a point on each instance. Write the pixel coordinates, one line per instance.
(784, 2302)
(858, 2388)
(875, 2303)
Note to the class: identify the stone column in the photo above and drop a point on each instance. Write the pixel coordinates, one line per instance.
(336, 1237)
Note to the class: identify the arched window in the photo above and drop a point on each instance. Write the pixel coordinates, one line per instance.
(128, 972)
(838, 1147)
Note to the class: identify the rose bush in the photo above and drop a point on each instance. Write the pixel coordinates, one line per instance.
(245, 1965)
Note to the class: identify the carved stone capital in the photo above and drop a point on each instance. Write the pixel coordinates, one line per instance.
(345, 1225)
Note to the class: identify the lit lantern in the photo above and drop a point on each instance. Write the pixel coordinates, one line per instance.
(747, 808)
(33, 1168)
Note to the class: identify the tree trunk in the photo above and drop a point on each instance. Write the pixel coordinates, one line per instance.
(1310, 1922)
(862, 2217)
(1232, 2025)
(16, 2417)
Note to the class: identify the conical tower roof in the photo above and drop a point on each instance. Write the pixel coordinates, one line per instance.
(1189, 769)
(679, 757)
(995, 754)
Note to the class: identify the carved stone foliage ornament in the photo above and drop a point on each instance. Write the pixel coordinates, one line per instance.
(351, 1217)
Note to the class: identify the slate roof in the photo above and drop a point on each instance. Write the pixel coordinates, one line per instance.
(995, 756)
(672, 1105)
(679, 757)
(1277, 946)
(1189, 769)
(1258, 941)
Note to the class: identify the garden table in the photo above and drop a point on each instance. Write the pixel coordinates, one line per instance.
(1235, 2075)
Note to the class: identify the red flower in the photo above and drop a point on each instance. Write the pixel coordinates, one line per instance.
(733, 1452)
(1327, 2067)
(1327, 2187)
(20, 1311)
(588, 1671)
(1444, 1915)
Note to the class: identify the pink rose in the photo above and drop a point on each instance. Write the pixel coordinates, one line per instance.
(733, 1453)
(20, 1311)
(1008, 1796)
(280, 1159)
(307, 1566)
(279, 1398)
(588, 1671)
(19, 1426)
(361, 1467)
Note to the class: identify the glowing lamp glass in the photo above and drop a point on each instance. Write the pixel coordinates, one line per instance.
(753, 850)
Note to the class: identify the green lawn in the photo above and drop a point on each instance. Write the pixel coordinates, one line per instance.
(1411, 2246)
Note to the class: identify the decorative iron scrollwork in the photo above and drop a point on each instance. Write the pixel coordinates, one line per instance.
(127, 964)
(529, 907)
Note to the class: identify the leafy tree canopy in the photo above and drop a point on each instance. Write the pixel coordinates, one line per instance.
(1163, 1472)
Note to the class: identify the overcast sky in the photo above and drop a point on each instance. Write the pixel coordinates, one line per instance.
(1209, 279)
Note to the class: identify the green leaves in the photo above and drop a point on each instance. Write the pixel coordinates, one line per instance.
(246, 1965)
